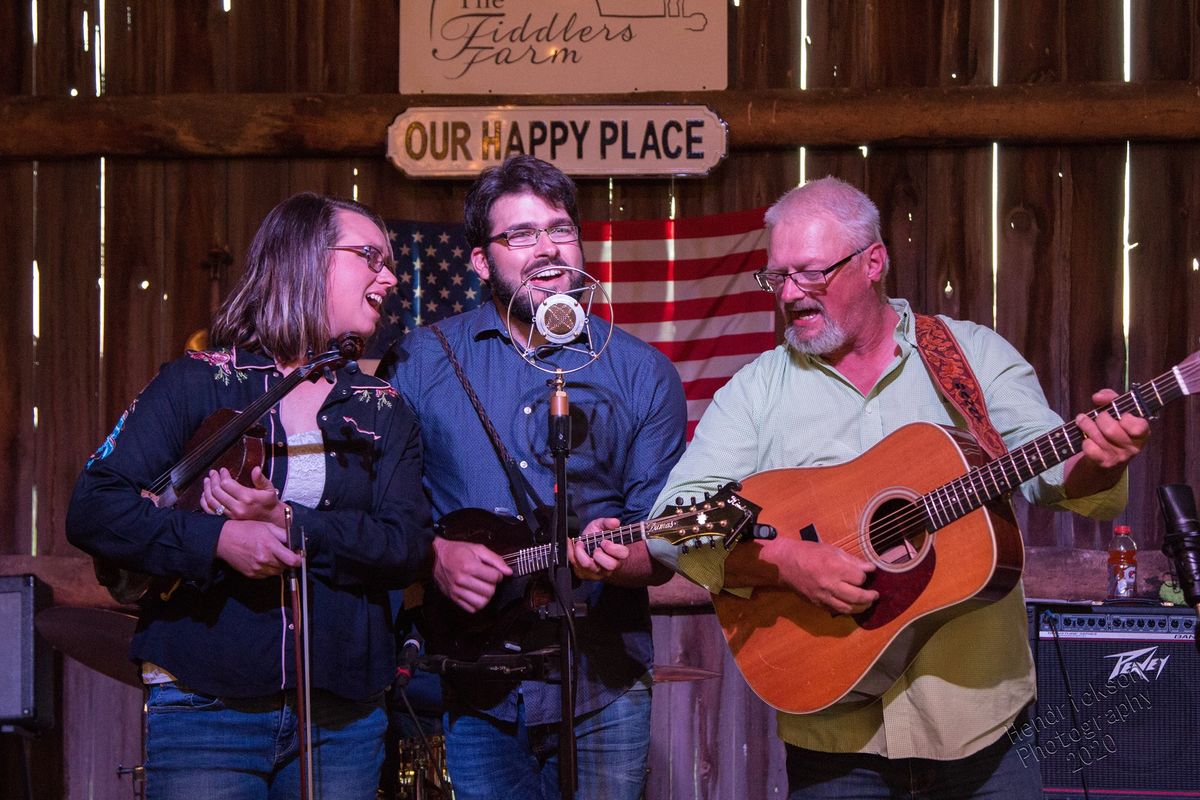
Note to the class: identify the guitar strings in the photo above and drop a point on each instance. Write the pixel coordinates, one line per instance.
(893, 529)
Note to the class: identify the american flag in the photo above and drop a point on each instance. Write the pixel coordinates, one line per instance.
(685, 286)
(682, 285)
(433, 265)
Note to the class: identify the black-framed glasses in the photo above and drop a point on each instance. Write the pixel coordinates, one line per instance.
(528, 237)
(376, 260)
(806, 279)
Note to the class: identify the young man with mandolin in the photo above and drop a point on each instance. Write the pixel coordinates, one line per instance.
(628, 417)
(885, 619)
(324, 497)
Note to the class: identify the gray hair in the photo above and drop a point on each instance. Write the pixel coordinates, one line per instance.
(832, 197)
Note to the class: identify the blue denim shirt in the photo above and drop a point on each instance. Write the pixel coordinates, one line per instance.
(222, 633)
(636, 417)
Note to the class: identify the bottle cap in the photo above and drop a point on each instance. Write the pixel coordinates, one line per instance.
(1122, 529)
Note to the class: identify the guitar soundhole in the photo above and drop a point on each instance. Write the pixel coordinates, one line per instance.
(896, 536)
(895, 539)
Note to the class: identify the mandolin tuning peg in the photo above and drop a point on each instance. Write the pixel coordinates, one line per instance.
(683, 548)
(679, 501)
(708, 496)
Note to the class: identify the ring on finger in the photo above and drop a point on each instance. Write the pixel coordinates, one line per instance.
(220, 510)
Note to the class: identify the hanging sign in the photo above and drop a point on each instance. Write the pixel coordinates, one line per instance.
(580, 140)
(562, 47)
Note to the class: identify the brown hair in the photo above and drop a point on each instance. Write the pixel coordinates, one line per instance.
(277, 307)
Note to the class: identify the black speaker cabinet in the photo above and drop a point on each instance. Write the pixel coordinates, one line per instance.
(1118, 706)
(26, 665)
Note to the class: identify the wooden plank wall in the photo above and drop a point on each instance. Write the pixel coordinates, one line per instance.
(1058, 293)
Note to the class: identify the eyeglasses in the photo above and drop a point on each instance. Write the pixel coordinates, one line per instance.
(376, 260)
(806, 279)
(528, 237)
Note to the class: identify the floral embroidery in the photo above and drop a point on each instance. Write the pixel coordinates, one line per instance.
(382, 395)
(222, 360)
(372, 434)
(110, 441)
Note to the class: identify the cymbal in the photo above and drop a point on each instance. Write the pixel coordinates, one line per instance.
(95, 637)
(677, 672)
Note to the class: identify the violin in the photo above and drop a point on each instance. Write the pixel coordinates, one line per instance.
(227, 438)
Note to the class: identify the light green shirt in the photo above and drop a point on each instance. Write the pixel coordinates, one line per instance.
(785, 410)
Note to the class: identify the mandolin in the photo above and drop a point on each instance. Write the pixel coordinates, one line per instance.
(504, 625)
(226, 438)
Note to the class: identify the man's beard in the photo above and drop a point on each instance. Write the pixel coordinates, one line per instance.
(525, 307)
(831, 338)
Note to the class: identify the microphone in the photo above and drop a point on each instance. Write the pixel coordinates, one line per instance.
(1181, 539)
(408, 661)
(559, 318)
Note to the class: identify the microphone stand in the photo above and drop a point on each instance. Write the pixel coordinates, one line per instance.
(561, 578)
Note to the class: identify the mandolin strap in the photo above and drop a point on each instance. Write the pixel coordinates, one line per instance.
(522, 492)
(948, 366)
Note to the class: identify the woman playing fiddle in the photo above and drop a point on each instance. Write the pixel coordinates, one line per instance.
(341, 473)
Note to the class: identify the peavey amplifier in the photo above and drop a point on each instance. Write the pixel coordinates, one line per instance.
(1118, 708)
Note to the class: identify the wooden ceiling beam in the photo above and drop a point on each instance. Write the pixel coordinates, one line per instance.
(306, 125)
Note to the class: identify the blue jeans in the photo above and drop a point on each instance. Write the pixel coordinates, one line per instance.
(493, 760)
(994, 772)
(199, 746)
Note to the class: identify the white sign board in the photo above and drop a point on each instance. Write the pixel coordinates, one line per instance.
(562, 46)
(579, 140)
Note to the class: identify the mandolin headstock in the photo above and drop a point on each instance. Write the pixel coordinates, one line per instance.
(723, 517)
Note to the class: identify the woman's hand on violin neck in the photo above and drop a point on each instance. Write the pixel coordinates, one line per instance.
(223, 495)
(255, 549)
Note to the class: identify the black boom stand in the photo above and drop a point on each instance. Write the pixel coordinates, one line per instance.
(561, 579)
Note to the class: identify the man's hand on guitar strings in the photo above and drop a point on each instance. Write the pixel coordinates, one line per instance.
(467, 572)
(224, 495)
(604, 560)
(1112, 443)
(1109, 446)
(825, 575)
(255, 549)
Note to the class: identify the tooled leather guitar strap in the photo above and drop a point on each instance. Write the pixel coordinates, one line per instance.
(522, 492)
(949, 368)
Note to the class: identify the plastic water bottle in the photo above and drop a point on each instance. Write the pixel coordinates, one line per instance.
(1122, 564)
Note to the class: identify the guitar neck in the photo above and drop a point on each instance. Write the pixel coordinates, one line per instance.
(1000, 476)
(541, 557)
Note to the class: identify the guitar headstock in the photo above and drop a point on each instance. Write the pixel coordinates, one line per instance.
(722, 517)
(1188, 373)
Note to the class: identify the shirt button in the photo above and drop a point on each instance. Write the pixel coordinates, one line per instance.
(528, 410)
(524, 464)
(324, 418)
(325, 502)
(332, 454)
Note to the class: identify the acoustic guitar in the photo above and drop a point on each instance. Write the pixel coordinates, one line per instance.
(505, 625)
(934, 517)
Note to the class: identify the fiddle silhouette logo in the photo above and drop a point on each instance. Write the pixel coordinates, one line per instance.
(650, 9)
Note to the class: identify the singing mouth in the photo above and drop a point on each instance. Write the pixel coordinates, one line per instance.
(804, 313)
(375, 300)
(547, 274)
